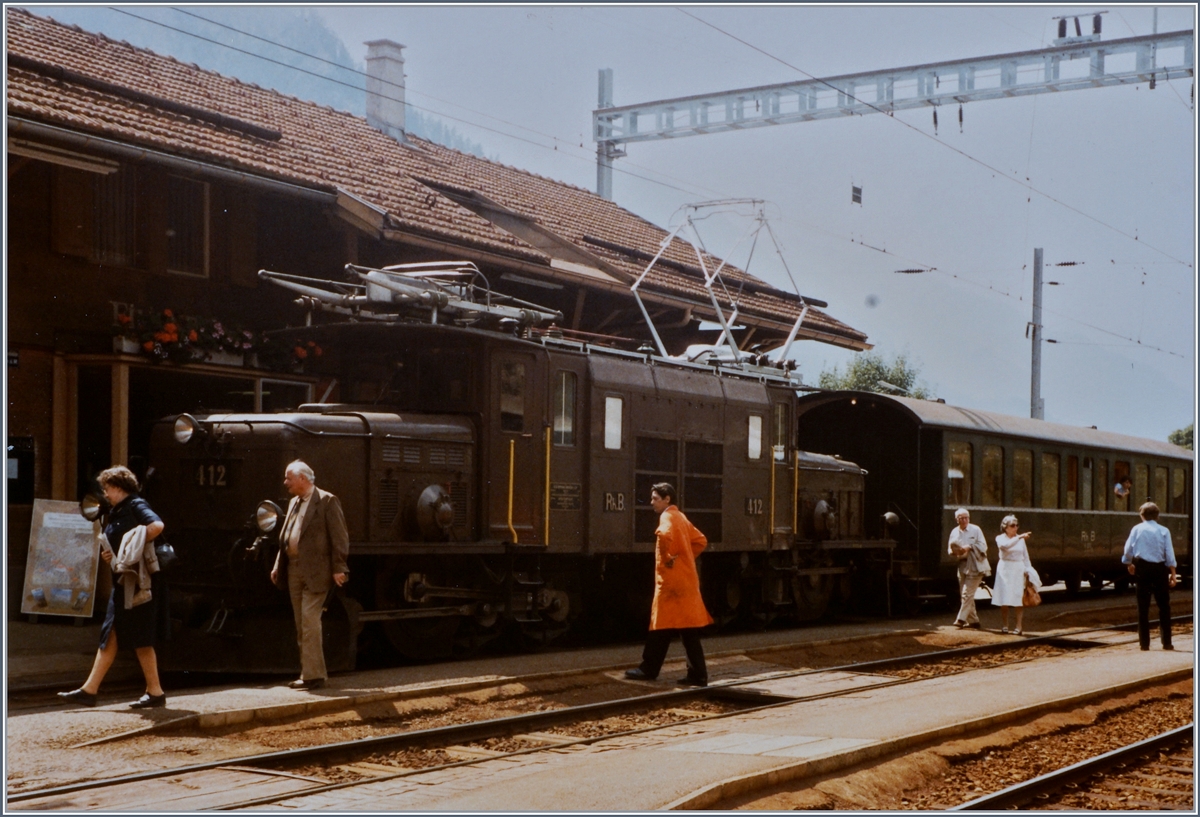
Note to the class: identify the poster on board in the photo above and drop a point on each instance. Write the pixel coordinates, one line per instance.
(60, 572)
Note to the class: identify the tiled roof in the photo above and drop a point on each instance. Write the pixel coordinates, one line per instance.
(325, 148)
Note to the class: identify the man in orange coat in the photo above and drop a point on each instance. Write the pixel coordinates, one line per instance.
(677, 606)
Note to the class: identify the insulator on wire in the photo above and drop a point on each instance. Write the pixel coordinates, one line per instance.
(960, 130)
(1062, 28)
(935, 121)
(1096, 24)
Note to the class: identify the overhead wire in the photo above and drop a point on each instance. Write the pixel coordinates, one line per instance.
(927, 267)
(946, 145)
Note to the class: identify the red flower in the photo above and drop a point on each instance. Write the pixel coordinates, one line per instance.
(170, 327)
(168, 313)
(318, 351)
(192, 336)
(148, 346)
(124, 319)
(300, 352)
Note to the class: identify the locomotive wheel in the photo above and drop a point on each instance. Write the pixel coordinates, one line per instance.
(811, 596)
(419, 639)
(1095, 583)
(1121, 584)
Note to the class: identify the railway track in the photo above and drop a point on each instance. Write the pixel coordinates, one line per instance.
(423, 750)
(1154, 774)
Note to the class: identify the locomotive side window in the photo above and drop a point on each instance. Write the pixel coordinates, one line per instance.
(1022, 478)
(993, 475)
(958, 474)
(1160, 486)
(656, 460)
(1120, 499)
(1141, 486)
(754, 429)
(1072, 483)
(564, 409)
(512, 396)
(445, 381)
(612, 422)
(1179, 498)
(704, 464)
(1085, 483)
(1100, 486)
(1050, 464)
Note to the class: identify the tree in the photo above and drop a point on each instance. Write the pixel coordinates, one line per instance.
(869, 372)
(1182, 437)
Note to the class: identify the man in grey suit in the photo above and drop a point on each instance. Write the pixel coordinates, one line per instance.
(313, 548)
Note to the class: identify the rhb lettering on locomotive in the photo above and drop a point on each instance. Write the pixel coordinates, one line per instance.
(614, 502)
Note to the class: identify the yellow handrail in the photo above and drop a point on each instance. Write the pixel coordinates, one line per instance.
(512, 448)
(795, 493)
(546, 536)
(773, 463)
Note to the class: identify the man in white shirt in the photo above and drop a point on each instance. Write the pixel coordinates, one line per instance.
(970, 548)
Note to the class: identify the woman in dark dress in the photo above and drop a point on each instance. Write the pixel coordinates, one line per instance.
(138, 625)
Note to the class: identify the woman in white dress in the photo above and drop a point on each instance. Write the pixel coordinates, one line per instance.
(1011, 571)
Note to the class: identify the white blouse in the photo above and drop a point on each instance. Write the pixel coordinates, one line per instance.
(1012, 549)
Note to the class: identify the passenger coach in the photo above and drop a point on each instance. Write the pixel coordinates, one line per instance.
(924, 459)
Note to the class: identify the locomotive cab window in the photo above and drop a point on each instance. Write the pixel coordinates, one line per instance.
(612, 422)
(1049, 494)
(512, 396)
(1022, 478)
(958, 474)
(564, 409)
(993, 475)
(754, 437)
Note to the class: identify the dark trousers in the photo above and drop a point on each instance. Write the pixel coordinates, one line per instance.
(655, 651)
(1153, 578)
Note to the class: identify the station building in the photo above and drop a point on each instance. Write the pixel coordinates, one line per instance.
(145, 194)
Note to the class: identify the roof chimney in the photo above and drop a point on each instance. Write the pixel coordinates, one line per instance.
(385, 87)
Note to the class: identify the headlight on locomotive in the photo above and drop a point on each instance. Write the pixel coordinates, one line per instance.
(266, 515)
(186, 427)
(90, 507)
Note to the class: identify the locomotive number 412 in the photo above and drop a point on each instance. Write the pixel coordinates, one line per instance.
(212, 475)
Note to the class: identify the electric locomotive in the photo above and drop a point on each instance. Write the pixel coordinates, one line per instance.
(495, 475)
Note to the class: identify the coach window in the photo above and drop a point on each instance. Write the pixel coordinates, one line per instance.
(1050, 463)
(1072, 483)
(958, 474)
(1179, 499)
(754, 437)
(1141, 486)
(1119, 475)
(1085, 483)
(512, 396)
(1160, 486)
(564, 409)
(1022, 478)
(1100, 486)
(612, 422)
(993, 475)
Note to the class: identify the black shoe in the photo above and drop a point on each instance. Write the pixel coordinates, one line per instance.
(311, 683)
(1168, 646)
(689, 681)
(1146, 648)
(78, 696)
(637, 674)
(148, 701)
(975, 626)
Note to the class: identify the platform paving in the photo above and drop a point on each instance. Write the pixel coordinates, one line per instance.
(696, 765)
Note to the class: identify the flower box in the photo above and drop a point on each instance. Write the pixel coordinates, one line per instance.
(222, 358)
(126, 346)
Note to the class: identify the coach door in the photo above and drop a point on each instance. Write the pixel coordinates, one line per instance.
(516, 447)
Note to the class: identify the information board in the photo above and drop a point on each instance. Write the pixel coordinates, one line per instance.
(60, 572)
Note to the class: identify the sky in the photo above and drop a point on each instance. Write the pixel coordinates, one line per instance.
(1104, 178)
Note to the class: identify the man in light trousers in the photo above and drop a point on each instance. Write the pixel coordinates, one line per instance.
(970, 548)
